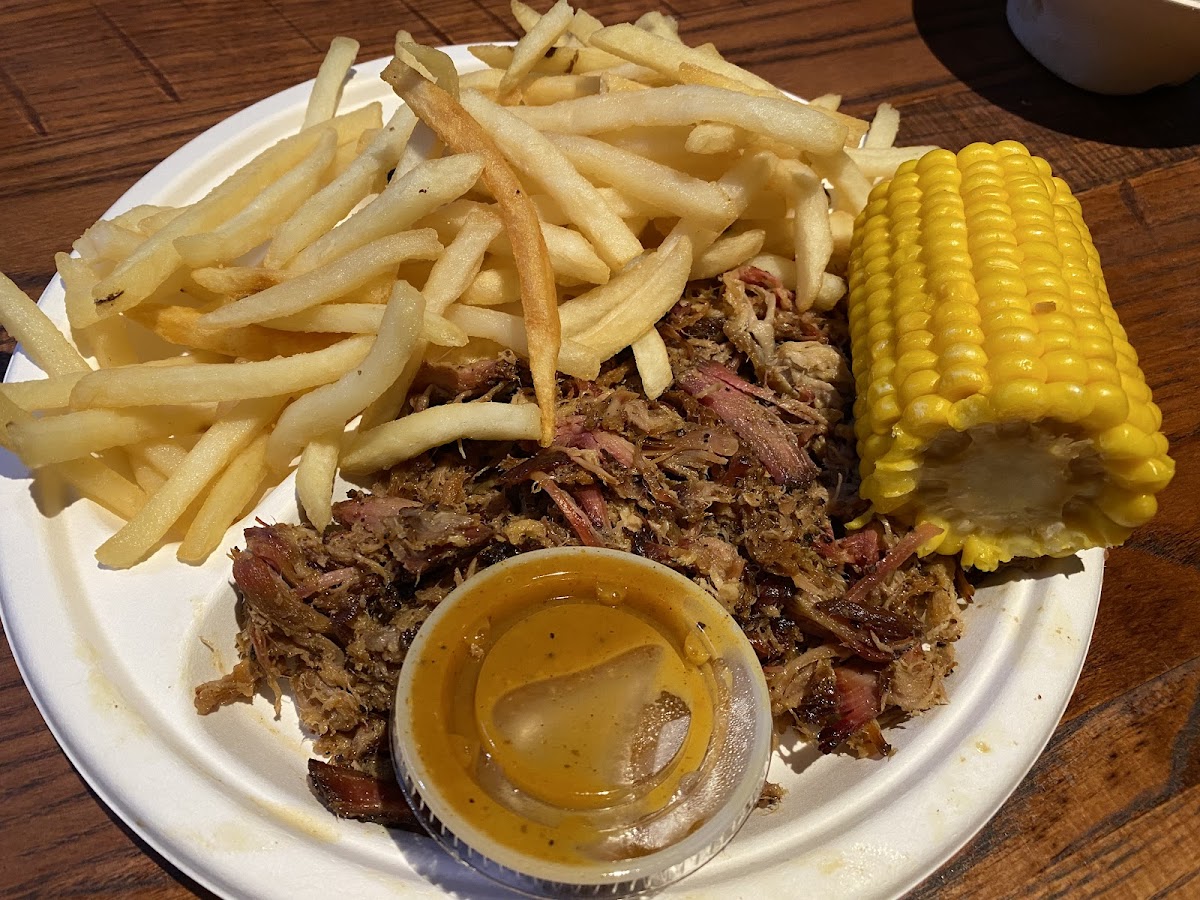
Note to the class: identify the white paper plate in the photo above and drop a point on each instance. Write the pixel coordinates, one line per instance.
(112, 658)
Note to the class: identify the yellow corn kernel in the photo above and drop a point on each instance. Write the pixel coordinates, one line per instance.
(999, 397)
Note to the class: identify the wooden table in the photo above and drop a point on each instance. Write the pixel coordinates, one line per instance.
(92, 94)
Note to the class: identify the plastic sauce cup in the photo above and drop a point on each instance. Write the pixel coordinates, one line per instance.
(581, 722)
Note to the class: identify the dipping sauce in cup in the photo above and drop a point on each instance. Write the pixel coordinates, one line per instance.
(581, 722)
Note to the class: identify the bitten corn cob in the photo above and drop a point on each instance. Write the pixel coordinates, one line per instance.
(998, 396)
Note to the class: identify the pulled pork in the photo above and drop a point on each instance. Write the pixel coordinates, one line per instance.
(742, 477)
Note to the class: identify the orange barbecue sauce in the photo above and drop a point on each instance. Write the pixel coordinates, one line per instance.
(553, 699)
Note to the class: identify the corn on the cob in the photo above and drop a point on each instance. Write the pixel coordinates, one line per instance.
(998, 396)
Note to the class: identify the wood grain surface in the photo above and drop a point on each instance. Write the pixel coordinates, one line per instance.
(93, 94)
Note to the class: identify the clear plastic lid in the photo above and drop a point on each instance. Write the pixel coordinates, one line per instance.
(581, 722)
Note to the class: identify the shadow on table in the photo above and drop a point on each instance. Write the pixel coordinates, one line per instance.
(974, 42)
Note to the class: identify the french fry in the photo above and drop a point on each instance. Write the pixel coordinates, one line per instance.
(332, 203)
(387, 445)
(830, 102)
(540, 90)
(658, 24)
(783, 120)
(509, 331)
(180, 325)
(333, 405)
(534, 44)
(108, 240)
(664, 187)
(539, 296)
(256, 222)
(664, 54)
(850, 186)
(235, 282)
(100, 484)
(42, 393)
(224, 502)
(333, 318)
(403, 202)
(315, 476)
(78, 278)
(841, 224)
(137, 277)
(527, 17)
(208, 382)
(165, 454)
(653, 363)
(580, 313)
(813, 238)
(884, 128)
(458, 265)
(882, 162)
(333, 280)
(833, 288)
(53, 439)
(493, 287)
(327, 88)
(537, 158)
(440, 332)
(159, 219)
(38, 336)
(212, 453)
(714, 137)
(572, 256)
(727, 252)
(661, 288)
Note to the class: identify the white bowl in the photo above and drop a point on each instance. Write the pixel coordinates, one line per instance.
(1111, 46)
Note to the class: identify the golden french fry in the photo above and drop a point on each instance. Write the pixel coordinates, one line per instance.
(210, 382)
(332, 318)
(315, 476)
(884, 128)
(850, 186)
(841, 224)
(333, 405)
(180, 325)
(405, 200)
(533, 46)
(458, 265)
(658, 24)
(659, 289)
(333, 280)
(537, 158)
(43, 393)
(53, 439)
(783, 120)
(387, 445)
(108, 240)
(539, 296)
(257, 221)
(653, 363)
(158, 220)
(78, 278)
(813, 238)
(780, 266)
(212, 453)
(165, 454)
(664, 54)
(332, 203)
(137, 277)
(327, 88)
(493, 287)
(727, 252)
(664, 187)
(714, 137)
(612, 83)
(539, 90)
(830, 102)
(883, 162)
(224, 502)
(509, 331)
(572, 256)
(235, 282)
(440, 332)
(148, 478)
(527, 17)
(580, 313)
(100, 484)
(833, 288)
(38, 336)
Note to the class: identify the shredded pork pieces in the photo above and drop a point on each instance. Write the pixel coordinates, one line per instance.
(741, 476)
